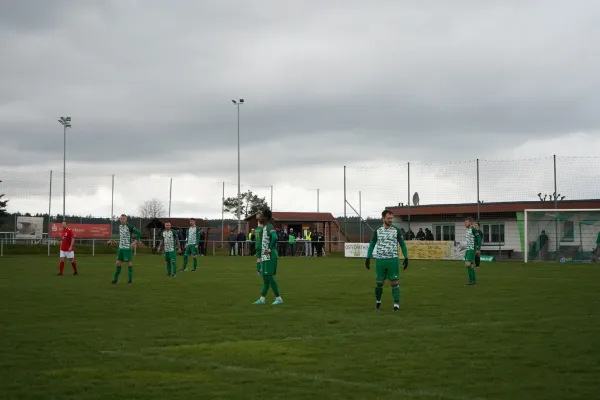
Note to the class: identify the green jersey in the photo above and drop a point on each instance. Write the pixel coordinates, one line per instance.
(268, 241)
(385, 241)
(125, 233)
(472, 239)
(258, 240)
(193, 236)
(169, 240)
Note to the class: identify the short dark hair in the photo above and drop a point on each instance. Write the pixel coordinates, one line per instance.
(385, 213)
(167, 222)
(469, 219)
(123, 215)
(267, 213)
(192, 219)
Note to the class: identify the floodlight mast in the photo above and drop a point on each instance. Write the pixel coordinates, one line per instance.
(239, 194)
(66, 123)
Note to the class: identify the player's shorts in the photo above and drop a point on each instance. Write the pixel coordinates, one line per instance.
(67, 254)
(124, 255)
(387, 268)
(470, 256)
(268, 267)
(171, 256)
(191, 250)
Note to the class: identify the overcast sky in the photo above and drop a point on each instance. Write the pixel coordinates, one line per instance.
(149, 85)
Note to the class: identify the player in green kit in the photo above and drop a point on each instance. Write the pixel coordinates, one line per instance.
(478, 247)
(386, 240)
(192, 243)
(124, 253)
(266, 261)
(169, 242)
(472, 242)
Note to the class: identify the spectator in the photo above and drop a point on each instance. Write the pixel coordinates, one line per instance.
(202, 244)
(241, 238)
(292, 242)
(429, 234)
(231, 239)
(320, 244)
(543, 245)
(420, 234)
(252, 240)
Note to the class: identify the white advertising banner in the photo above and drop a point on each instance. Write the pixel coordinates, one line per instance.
(30, 228)
(356, 250)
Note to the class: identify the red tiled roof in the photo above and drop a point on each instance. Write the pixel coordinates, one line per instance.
(471, 208)
(300, 217)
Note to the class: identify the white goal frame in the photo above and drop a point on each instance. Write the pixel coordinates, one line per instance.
(528, 210)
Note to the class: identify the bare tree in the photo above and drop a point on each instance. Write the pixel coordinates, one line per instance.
(152, 209)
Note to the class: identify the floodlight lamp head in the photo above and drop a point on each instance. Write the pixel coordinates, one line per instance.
(234, 102)
(68, 119)
(241, 100)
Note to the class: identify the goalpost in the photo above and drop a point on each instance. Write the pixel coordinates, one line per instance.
(564, 235)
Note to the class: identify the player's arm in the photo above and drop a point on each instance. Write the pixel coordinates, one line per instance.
(197, 237)
(72, 245)
(477, 240)
(372, 244)
(273, 240)
(138, 234)
(403, 248)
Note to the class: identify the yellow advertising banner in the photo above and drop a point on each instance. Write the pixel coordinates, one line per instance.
(428, 250)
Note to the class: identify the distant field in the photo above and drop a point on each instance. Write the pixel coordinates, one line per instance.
(525, 332)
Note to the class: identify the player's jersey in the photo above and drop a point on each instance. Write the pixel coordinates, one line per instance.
(170, 240)
(385, 241)
(67, 236)
(258, 239)
(193, 236)
(472, 239)
(266, 234)
(125, 232)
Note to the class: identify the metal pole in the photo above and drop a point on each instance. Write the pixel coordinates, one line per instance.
(318, 210)
(408, 201)
(222, 218)
(64, 170)
(112, 205)
(239, 182)
(345, 230)
(271, 197)
(478, 190)
(556, 207)
(49, 211)
(360, 215)
(170, 193)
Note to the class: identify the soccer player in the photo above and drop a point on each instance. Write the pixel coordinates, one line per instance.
(124, 253)
(192, 244)
(169, 241)
(266, 261)
(478, 247)
(473, 242)
(67, 249)
(386, 240)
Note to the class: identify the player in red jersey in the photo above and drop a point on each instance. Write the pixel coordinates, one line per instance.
(67, 250)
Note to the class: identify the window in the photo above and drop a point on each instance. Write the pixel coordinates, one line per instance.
(568, 230)
(493, 233)
(444, 232)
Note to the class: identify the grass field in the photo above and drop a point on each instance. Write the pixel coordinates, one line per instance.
(525, 332)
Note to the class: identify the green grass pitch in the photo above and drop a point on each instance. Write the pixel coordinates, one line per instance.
(524, 332)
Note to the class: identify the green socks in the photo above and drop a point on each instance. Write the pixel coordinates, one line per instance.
(471, 273)
(117, 273)
(275, 287)
(130, 273)
(379, 291)
(266, 284)
(168, 268)
(185, 259)
(174, 268)
(396, 293)
(195, 263)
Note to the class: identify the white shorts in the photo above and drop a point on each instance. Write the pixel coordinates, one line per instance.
(67, 254)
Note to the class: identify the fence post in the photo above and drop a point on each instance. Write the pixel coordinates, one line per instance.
(112, 205)
(170, 192)
(345, 218)
(478, 214)
(49, 211)
(93, 247)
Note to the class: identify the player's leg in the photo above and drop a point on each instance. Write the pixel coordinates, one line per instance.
(380, 275)
(274, 285)
(186, 254)
(173, 263)
(477, 260)
(195, 258)
(61, 266)
(73, 263)
(168, 262)
(265, 289)
(393, 274)
(119, 261)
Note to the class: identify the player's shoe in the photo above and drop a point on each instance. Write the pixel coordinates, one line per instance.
(276, 302)
(75, 273)
(470, 283)
(173, 276)
(259, 301)
(193, 270)
(59, 274)
(130, 283)
(378, 305)
(114, 282)
(396, 307)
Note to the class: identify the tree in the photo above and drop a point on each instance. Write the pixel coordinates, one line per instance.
(248, 204)
(152, 209)
(3, 204)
